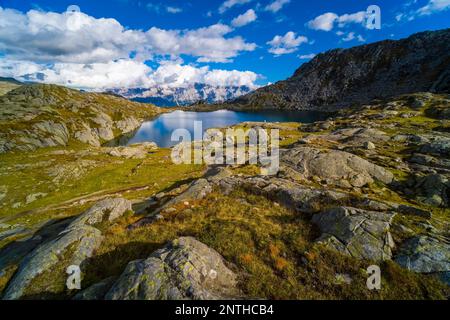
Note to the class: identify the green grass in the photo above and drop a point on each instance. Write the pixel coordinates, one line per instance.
(106, 175)
(271, 249)
(6, 87)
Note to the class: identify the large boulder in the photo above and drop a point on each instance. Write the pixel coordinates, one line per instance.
(97, 291)
(434, 190)
(183, 269)
(72, 246)
(127, 125)
(425, 254)
(86, 135)
(334, 167)
(290, 194)
(359, 233)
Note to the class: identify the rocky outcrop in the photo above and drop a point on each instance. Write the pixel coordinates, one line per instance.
(425, 254)
(340, 78)
(334, 167)
(292, 195)
(38, 116)
(96, 291)
(127, 125)
(85, 135)
(359, 233)
(72, 246)
(184, 269)
(434, 189)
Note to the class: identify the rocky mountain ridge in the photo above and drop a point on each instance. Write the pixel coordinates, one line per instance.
(341, 78)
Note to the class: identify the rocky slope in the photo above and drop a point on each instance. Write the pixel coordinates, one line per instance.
(339, 78)
(368, 186)
(37, 116)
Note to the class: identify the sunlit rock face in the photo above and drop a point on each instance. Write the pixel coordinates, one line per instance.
(340, 78)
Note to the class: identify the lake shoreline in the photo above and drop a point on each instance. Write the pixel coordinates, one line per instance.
(160, 128)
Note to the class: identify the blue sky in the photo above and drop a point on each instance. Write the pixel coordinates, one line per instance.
(267, 43)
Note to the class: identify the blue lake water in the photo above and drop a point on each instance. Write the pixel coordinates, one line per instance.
(160, 129)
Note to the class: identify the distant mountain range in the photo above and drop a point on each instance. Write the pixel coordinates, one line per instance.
(340, 78)
(183, 96)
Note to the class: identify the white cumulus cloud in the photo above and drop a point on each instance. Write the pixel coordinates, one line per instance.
(228, 4)
(209, 43)
(65, 37)
(327, 21)
(358, 17)
(77, 50)
(276, 6)
(124, 73)
(288, 43)
(307, 56)
(323, 22)
(434, 6)
(76, 37)
(248, 17)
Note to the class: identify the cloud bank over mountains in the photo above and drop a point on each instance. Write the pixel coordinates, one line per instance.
(73, 48)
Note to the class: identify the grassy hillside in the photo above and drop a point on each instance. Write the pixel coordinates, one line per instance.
(7, 84)
(38, 115)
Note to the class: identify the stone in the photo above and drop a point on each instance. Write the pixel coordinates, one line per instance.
(86, 135)
(342, 278)
(369, 145)
(102, 119)
(359, 233)
(425, 254)
(183, 269)
(105, 134)
(16, 205)
(127, 125)
(290, 194)
(96, 291)
(197, 190)
(434, 189)
(336, 167)
(35, 196)
(70, 247)
(56, 133)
